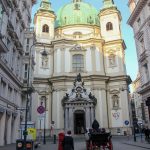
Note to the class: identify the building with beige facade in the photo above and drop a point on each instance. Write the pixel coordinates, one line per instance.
(136, 98)
(15, 19)
(140, 22)
(82, 74)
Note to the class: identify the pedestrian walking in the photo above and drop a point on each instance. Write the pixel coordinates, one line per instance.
(61, 136)
(68, 143)
(147, 133)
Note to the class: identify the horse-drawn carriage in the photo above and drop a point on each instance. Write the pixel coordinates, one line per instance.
(99, 141)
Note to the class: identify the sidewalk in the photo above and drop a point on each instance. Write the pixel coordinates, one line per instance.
(8, 147)
(140, 142)
(47, 146)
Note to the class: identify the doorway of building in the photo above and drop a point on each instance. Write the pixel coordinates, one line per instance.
(79, 122)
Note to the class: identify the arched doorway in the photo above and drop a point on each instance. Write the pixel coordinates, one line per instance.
(79, 122)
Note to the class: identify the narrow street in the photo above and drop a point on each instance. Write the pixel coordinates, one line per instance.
(119, 143)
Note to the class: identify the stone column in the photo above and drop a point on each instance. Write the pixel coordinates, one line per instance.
(92, 115)
(70, 119)
(63, 60)
(93, 59)
(88, 117)
(15, 128)
(5, 91)
(66, 118)
(4, 24)
(2, 128)
(9, 126)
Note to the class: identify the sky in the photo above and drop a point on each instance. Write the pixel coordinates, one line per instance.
(127, 32)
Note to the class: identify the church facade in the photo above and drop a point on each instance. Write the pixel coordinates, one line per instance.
(80, 72)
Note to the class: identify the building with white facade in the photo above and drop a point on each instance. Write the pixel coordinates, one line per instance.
(82, 75)
(138, 103)
(15, 19)
(140, 22)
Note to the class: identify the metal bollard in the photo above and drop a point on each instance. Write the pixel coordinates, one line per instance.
(54, 138)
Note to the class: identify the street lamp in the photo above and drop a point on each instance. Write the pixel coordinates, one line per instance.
(44, 99)
(29, 91)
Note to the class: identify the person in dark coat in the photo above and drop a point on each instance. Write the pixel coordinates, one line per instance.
(95, 125)
(68, 143)
(147, 133)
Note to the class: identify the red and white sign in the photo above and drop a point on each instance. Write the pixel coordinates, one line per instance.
(40, 109)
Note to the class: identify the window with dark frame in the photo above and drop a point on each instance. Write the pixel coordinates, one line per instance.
(45, 28)
(109, 26)
(146, 72)
(78, 63)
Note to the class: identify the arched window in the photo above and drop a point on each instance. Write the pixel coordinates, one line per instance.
(109, 26)
(78, 63)
(45, 28)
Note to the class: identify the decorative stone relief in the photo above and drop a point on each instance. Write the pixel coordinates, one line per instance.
(79, 93)
(45, 62)
(112, 60)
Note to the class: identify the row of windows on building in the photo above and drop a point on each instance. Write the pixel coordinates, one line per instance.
(109, 26)
(142, 56)
(13, 61)
(142, 18)
(8, 92)
(77, 62)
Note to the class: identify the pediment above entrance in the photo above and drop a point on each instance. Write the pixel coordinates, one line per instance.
(79, 94)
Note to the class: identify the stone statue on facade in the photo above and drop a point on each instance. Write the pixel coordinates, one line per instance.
(79, 77)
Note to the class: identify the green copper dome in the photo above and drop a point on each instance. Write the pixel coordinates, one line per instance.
(77, 12)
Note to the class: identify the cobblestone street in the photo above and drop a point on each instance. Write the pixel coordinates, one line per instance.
(119, 143)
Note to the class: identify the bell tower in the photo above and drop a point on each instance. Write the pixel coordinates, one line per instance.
(110, 23)
(110, 19)
(44, 21)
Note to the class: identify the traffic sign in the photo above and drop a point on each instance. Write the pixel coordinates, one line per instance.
(40, 109)
(126, 122)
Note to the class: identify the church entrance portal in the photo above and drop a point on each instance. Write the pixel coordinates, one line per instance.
(79, 122)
